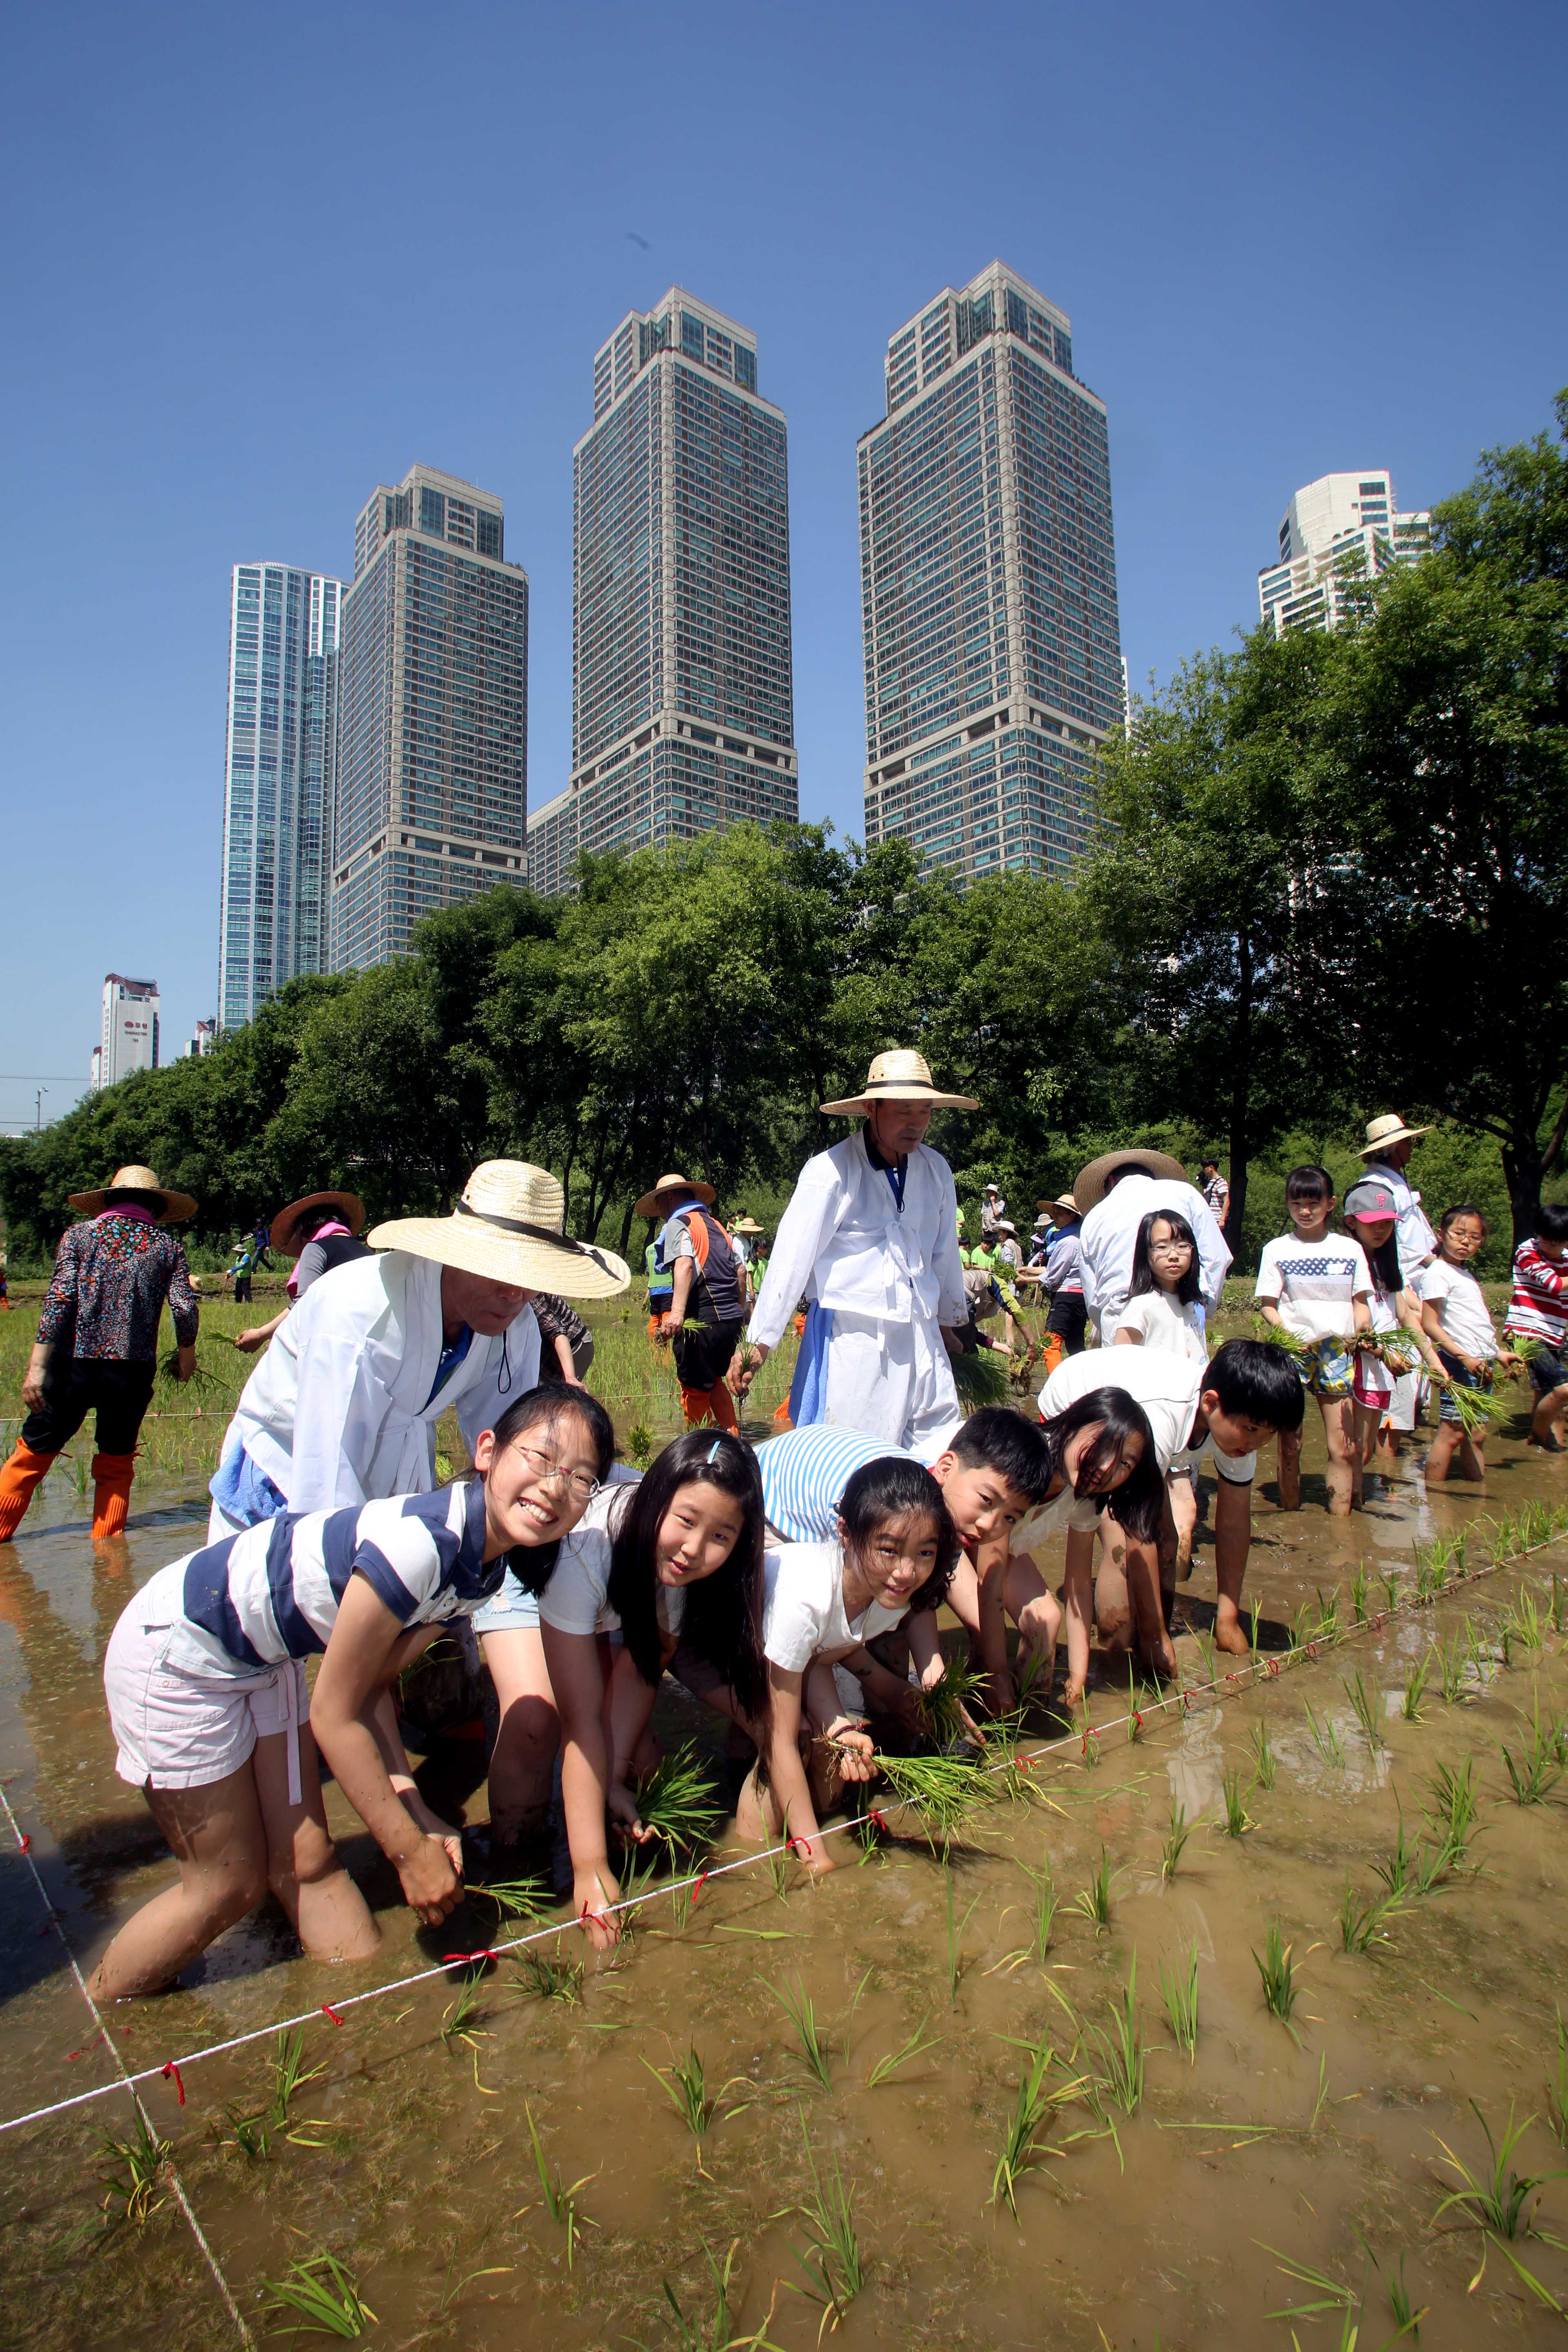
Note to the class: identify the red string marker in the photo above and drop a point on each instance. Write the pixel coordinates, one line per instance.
(172, 2069)
(447, 1959)
(877, 1819)
(26, 1841)
(328, 2011)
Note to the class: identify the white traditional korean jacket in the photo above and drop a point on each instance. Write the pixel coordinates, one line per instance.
(843, 1242)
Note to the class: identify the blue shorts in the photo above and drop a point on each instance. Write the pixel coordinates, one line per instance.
(1328, 1368)
(1462, 1378)
(1548, 1371)
(512, 1610)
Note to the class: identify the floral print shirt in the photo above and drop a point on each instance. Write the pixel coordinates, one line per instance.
(108, 1290)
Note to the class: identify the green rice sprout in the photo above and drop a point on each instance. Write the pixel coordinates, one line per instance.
(918, 2043)
(1093, 1901)
(691, 2337)
(1390, 1584)
(1325, 1738)
(252, 2134)
(945, 1704)
(832, 2262)
(1367, 1707)
(1121, 2047)
(1301, 1629)
(1455, 1807)
(1179, 1992)
(685, 2083)
(1088, 1743)
(942, 1790)
(1432, 1867)
(1410, 1705)
(639, 1444)
(955, 1937)
(520, 1898)
(1176, 1837)
(1237, 1820)
(560, 2202)
(131, 2190)
(677, 1804)
(1206, 1651)
(1332, 2294)
(1328, 1615)
(290, 2075)
(540, 1975)
(1496, 2201)
(1255, 1616)
(457, 2021)
(1538, 1770)
(1476, 1409)
(1559, 1623)
(1557, 2088)
(1266, 1763)
(815, 2050)
(322, 2295)
(1452, 1669)
(1035, 2101)
(1277, 1971)
(1524, 1622)
(1361, 1925)
(1398, 1873)
(1360, 1591)
(1043, 1911)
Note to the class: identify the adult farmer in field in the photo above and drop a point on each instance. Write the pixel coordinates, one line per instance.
(695, 1251)
(319, 1233)
(97, 1348)
(1386, 1154)
(1114, 1194)
(870, 1239)
(343, 1408)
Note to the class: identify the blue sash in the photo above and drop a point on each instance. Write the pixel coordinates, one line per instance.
(809, 1389)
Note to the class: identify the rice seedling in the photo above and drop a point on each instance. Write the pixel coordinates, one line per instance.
(1301, 1625)
(252, 2134)
(1559, 1621)
(1179, 1992)
(131, 2190)
(1367, 1707)
(520, 1898)
(948, 1708)
(1035, 2100)
(1093, 1901)
(542, 1976)
(1410, 1705)
(1390, 1584)
(815, 2051)
(1176, 1837)
(1476, 1410)
(1455, 1807)
(1121, 2047)
(1255, 1617)
(942, 1790)
(1398, 1873)
(560, 2202)
(1044, 1910)
(1031, 1681)
(1328, 1615)
(1325, 1738)
(833, 2263)
(918, 2043)
(685, 2083)
(1524, 1622)
(1538, 1770)
(1557, 2088)
(1361, 1925)
(1265, 1761)
(1277, 1971)
(1332, 2294)
(1432, 1867)
(677, 1804)
(715, 2336)
(1360, 1592)
(457, 2021)
(1237, 1820)
(1496, 2202)
(1453, 1667)
(954, 1938)
(1088, 1739)
(323, 2297)
(1206, 1651)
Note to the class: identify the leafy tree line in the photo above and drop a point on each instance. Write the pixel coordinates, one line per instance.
(1330, 877)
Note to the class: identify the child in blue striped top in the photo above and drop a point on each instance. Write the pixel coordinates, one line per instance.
(204, 1676)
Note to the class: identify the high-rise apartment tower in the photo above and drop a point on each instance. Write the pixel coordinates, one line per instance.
(988, 585)
(280, 749)
(432, 777)
(1340, 532)
(127, 1030)
(682, 686)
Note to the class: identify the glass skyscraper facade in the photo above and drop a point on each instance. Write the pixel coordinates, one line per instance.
(1337, 534)
(281, 748)
(432, 765)
(993, 648)
(683, 701)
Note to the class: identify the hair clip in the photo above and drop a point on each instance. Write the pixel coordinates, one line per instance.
(712, 1450)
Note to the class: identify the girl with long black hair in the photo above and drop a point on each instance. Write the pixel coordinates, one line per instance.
(673, 1561)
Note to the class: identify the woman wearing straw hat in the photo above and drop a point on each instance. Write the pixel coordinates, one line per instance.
(695, 1250)
(97, 1348)
(870, 1239)
(1062, 1279)
(1114, 1194)
(343, 1408)
(319, 1233)
(1388, 1146)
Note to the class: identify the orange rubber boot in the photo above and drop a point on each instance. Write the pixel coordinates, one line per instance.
(18, 1479)
(111, 1477)
(704, 1405)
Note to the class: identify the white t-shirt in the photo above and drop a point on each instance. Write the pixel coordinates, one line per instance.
(1167, 1387)
(1314, 1284)
(575, 1599)
(803, 1612)
(1460, 1307)
(1063, 1511)
(1161, 1321)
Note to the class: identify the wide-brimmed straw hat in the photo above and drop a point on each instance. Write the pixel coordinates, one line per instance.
(898, 1076)
(177, 1206)
(1065, 1201)
(349, 1206)
(1088, 1184)
(648, 1205)
(1390, 1129)
(508, 1227)
(747, 1225)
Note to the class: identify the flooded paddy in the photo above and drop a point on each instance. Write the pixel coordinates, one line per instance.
(1159, 2211)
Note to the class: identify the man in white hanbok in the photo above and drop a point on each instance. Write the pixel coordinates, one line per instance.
(870, 1240)
(1114, 1194)
(343, 1408)
(1390, 1142)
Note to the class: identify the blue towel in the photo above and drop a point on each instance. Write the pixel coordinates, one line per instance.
(244, 1492)
(809, 1389)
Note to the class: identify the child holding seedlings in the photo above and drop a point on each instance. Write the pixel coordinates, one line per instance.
(1162, 1312)
(205, 1676)
(893, 1559)
(670, 1572)
(1454, 1314)
(1317, 1287)
(1371, 1215)
(1538, 1311)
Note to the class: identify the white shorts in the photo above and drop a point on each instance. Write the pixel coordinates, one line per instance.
(181, 1729)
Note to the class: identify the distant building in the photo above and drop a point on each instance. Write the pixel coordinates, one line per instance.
(201, 1042)
(127, 1033)
(993, 644)
(1337, 534)
(432, 766)
(682, 678)
(280, 754)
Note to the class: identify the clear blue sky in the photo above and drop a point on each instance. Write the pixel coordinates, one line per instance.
(257, 261)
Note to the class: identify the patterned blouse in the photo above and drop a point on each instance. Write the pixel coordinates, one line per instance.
(108, 1290)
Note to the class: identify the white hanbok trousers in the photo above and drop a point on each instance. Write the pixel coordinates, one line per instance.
(892, 1380)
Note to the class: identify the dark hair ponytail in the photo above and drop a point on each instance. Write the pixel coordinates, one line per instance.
(722, 1620)
(895, 1487)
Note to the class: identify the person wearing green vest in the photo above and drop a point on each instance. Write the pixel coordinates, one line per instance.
(660, 1291)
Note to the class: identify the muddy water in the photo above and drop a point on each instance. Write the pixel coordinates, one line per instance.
(416, 2166)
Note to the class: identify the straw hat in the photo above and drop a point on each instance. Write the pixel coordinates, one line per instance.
(1063, 1201)
(747, 1225)
(349, 1206)
(508, 1227)
(680, 1185)
(898, 1076)
(1089, 1185)
(1390, 1129)
(177, 1206)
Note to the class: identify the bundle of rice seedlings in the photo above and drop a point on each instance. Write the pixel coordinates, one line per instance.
(677, 1804)
(1277, 1335)
(1475, 1409)
(980, 1379)
(945, 1704)
(942, 1790)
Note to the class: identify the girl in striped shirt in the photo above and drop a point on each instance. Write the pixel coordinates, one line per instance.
(204, 1676)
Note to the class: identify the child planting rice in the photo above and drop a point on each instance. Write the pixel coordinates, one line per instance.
(1370, 1214)
(205, 1682)
(1162, 1312)
(1454, 1314)
(1317, 1287)
(1538, 1311)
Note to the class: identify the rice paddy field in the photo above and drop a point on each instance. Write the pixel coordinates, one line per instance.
(1230, 2012)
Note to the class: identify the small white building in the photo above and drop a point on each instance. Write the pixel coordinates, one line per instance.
(1336, 534)
(127, 1035)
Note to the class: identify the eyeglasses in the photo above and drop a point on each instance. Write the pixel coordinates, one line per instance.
(1166, 1249)
(550, 1473)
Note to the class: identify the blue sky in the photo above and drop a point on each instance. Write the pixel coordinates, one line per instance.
(258, 261)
